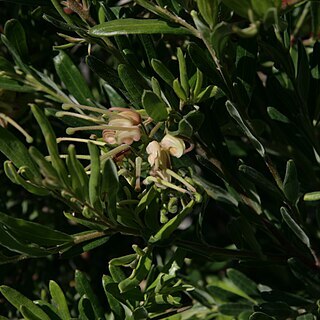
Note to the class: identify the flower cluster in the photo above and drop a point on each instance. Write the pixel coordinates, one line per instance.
(123, 127)
(159, 155)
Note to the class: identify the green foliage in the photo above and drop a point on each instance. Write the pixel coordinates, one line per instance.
(187, 129)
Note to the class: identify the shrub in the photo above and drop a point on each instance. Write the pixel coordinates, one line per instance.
(187, 130)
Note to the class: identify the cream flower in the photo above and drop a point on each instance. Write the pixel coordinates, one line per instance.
(159, 160)
(174, 145)
(126, 127)
(153, 150)
(128, 137)
(132, 115)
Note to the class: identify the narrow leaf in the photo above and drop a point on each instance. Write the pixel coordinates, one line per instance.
(15, 150)
(48, 308)
(12, 49)
(7, 83)
(155, 107)
(291, 183)
(18, 300)
(86, 311)
(28, 314)
(139, 274)
(95, 177)
(183, 71)
(135, 26)
(209, 11)
(241, 281)
(114, 304)
(165, 74)
(59, 300)
(312, 196)
(274, 114)
(179, 91)
(8, 241)
(72, 78)
(35, 232)
(215, 192)
(78, 176)
(78, 249)
(307, 316)
(132, 82)
(297, 230)
(14, 32)
(110, 186)
(84, 288)
(234, 113)
(51, 143)
(104, 71)
(304, 75)
(121, 261)
(13, 175)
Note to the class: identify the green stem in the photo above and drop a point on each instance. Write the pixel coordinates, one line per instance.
(61, 114)
(274, 172)
(219, 67)
(88, 236)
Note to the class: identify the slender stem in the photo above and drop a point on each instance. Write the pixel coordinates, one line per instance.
(138, 164)
(165, 184)
(98, 143)
(17, 126)
(61, 114)
(111, 154)
(214, 57)
(274, 172)
(64, 156)
(155, 129)
(89, 236)
(101, 127)
(68, 106)
(180, 21)
(183, 181)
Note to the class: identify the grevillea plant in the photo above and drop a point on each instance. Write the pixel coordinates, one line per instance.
(190, 128)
